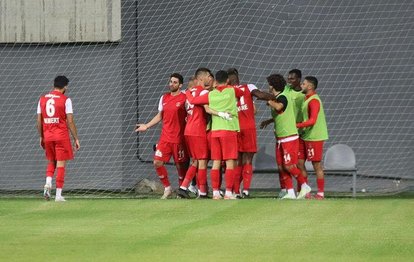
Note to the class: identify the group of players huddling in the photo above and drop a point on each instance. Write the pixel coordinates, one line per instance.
(214, 119)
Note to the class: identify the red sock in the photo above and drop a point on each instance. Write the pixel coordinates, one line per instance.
(163, 175)
(282, 179)
(215, 179)
(287, 180)
(202, 180)
(229, 176)
(60, 177)
(295, 172)
(237, 177)
(191, 172)
(247, 176)
(321, 184)
(50, 169)
(181, 175)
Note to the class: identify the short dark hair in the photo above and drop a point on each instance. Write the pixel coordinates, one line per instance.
(277, 82)
(202, 70)
(232, 71)
(60, 82)
(178, 76)
(313, 81)
(233, 76)
(222, 76)
(297, 72)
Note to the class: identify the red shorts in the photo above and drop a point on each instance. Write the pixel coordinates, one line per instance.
(246, 139)
(165, 150)
(311, 150)
(287, 152)
(60, 150)
(224, 148)
(197, 147)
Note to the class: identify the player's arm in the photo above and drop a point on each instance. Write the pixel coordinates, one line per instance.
(155, 120)
(40, 129)
(71, 122)
(265, 123)
(260, 95)
(73, 130)
(199, 100)
(224, 115)
(313, 111)
(280, 104)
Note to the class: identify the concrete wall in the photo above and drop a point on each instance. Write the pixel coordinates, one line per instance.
(60, 21)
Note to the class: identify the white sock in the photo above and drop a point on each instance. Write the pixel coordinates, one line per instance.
(304, 185)
(321, 194)
(216, 193)
(284, 190)
(291, 192)
(229, 193)
(168, 188)
(58, 192)
(49, 181)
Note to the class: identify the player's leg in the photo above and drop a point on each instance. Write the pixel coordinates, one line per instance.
(63, 153)
(238, 175)
(315, 150)
(301, 161)
(320, 179)
(216, 156)
(247, 172)
(215, 179)
(230, 153)
(249, 148)
(202, 178)
(290, 159)
(285, 180)
(191, 173)
(50, 170)
(181, 161)
(163, 154)
(60, 179)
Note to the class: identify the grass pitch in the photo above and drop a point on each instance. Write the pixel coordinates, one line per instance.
(206, 230)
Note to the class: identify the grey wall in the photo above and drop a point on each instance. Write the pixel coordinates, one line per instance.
(361, 52)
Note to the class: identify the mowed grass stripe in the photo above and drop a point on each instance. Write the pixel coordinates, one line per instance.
(188, 230)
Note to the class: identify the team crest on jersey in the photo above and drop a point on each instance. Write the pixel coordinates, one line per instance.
(158, 153)
(178, 104)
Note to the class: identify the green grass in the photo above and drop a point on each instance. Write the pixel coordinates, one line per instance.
(206, 230)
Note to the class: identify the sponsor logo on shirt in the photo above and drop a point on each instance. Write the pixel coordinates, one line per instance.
(178, 104)
(52, 96)
(158, 153)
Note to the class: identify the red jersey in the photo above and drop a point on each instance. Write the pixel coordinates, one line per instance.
(196, 115)
(173, 117)
(245, 107)
(54, 107)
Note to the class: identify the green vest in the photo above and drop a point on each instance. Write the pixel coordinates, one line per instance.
(319, 131)
(298, 98)
(224, 101)
(284, 122)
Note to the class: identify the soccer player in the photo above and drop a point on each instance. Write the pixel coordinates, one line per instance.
(294, 81)
(196, 135)
(287, 136)
(172, 113)
(54, 118)
(223, 131)
(247, 142)
(315, 131)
